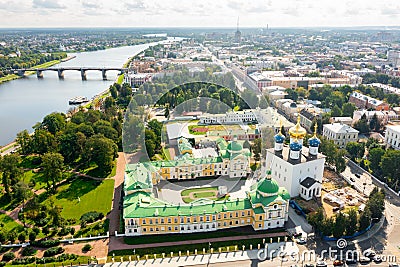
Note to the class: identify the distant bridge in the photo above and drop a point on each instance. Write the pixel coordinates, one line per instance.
(60, 71)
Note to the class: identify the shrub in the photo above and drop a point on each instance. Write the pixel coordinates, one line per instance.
(86, 248)
(28, 251)
(32, 236)
(22, 237)
(53, 251)
(91, 216)
(23, 261)
(46, 243)
(2, 264)
(66, 231)
(8, 256)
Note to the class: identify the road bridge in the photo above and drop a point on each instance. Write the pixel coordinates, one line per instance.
(60, 71)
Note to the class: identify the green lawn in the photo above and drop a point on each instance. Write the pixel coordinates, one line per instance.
(93, 196)
(7, 224)
(94, 171)
(203, 192)
(186, 192)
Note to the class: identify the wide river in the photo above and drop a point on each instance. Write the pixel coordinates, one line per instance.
(25, 101)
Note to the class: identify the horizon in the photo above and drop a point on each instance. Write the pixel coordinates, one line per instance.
(198, 14)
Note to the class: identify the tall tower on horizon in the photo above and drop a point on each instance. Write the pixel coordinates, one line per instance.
(238, 34)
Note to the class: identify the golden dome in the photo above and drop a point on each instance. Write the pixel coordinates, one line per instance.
(297, 131)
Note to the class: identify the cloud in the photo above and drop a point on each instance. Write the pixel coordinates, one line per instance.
(49, 4)
(135, 5)
(91, 5)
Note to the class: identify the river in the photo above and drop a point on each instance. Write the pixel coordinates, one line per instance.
(25, 101)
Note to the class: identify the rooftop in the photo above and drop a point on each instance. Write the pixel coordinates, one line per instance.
(340, 128)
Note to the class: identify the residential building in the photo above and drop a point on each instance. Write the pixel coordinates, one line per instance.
(392, 136)
(137, 79)
(233, 117)
(307, 116)
(366, 102)
(340, 134)
(344, 120)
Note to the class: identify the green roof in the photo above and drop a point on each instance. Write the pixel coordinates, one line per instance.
(142, 204)
(234, 146)
(268, 186)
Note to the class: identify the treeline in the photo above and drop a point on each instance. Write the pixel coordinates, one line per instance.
(381, 78)
(27, 60)
(350, 222)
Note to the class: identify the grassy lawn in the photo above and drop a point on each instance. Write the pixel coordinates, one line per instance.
(196, 236)
(80, 260)
(37, 178)
(7, 224)
(93, 171)
(93, 195)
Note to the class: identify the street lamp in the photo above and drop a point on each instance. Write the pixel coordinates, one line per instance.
(209, 258)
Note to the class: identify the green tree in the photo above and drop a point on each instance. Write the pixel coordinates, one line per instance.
(53, 166)
(9, 166)
(166, 111)
(291, 94)
(376, 203)
(256, 148)
(390, 165)
(375, 157)
(329, 149)
(351, 223)
(53, 122)
(24, 140)
(365, 219)
(340, 163)
(21, 191)
(348, 109)
(374, 123)
(362, 125)
(355, 150)
(339, 226)
(43, 141)
(101, 151)
(336, 111)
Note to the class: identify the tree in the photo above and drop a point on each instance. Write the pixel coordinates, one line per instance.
(24, 140)
(21, 191)
(351, 223)
(9, 165)
(390, 165)
(339, 226)
(374, 123)
(329, 149)
(365, 219)
(256, 148)
(362, 125)
(22, 237)
(336, 111)
(53, 166)
(101, 151)
(43, 141)
(32, 236)
(166, 112)
(291, 94)
(376, 203)
(53, 122)
(348, 109)
(340, 163)
(55, 213)
(355, 150)
(375, 156)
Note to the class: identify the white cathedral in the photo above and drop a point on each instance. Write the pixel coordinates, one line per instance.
(296, 167)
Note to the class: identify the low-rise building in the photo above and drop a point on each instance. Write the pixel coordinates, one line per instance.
(137, 79)
(344, 120)
(233, 117)
(340, 134)
(366, 102)
(392, 136)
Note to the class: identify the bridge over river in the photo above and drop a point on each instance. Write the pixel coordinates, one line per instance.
(60, 71)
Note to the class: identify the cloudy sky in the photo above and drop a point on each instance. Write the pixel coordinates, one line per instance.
(204, 13)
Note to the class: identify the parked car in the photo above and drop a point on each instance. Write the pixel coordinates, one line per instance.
(352, 179)
(364, 260)
(321, 264)
(301, 241)
(393, 265)
(338, 263)
(308, 265)
(369, 253)
(297, 235)
(357, 175)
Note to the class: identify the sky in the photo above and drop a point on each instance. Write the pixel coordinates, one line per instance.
(195, 13)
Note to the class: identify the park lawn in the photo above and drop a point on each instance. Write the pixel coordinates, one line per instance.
(94, 171)
(8, 224)
(37, 177)
(93, 196)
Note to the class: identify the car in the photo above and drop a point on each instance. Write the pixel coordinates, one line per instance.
(338, 263)
(301, 241)
(321, 264)
(352, 179)
(393, 265)
(308, 265)
(357, 175)
(377, 259)
(369, 253)
(351, 261)
(364, 260)
(297, 235)
(297, 212)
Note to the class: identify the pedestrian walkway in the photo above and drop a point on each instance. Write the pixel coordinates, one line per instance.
(288, 248)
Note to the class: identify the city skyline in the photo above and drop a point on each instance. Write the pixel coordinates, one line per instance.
(207, 13)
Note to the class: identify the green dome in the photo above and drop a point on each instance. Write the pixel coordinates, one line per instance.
(234, 146)
(268, 186)
(284, 193)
